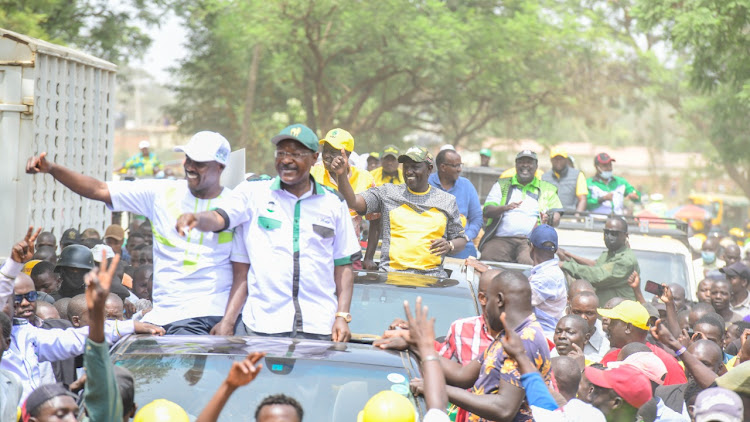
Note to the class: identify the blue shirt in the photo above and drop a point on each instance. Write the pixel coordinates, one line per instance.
(549, 294)
(467, 201)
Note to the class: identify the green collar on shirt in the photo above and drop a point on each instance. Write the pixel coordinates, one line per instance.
(317, 187)
(534, 183)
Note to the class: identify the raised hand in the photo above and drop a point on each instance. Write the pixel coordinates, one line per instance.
(23, 251)
(340, 164)
(38, 164)
(244, 372)
(666, 296)
(661, 333)
(421, 330)
(98, 284)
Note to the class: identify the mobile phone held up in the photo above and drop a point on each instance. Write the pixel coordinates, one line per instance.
(654, 288)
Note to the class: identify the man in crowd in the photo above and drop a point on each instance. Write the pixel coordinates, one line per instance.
(75, 261)
(585, 304)
(570, 337)
(334, 142)
(618, 392)
(610, 272)
(193, 275)
(373, 161)
(549, 295)
(46, 239)
(298, 240)
(704, 290)
(738, 275)
(709, 258)
(628, 324)
(448, 179)
(145, 163)
(46, 280)
(732, 254)
(389, 172)
(497, 393)
(420, 224)
(721, 293)
(570, 182)
(69, 237)
(485, 155)
(113, 238)
(513, 207)
(90, 238)
(607, 193)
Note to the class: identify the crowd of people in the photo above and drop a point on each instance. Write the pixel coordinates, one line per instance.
(575, 339)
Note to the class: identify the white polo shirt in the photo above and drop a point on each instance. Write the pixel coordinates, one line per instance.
(192, 274)
(292, 245)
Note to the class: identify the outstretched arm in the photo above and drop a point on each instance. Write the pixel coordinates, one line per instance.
(206, 221)
(340, 167)
(241, 373)
(83, 185)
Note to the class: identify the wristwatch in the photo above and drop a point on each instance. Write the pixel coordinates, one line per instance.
(346, 315)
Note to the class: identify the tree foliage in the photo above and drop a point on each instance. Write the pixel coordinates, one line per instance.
(103, 28)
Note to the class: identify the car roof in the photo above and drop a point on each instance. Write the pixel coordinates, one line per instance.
(402, 279)
(274, 347)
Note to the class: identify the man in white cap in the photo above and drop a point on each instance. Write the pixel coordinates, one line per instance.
(192, 274)
(145, 163)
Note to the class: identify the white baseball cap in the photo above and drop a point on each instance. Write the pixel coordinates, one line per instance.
(206, 146)
(143, 144)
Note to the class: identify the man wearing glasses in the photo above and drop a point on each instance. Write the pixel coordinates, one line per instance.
(297, 241)
(610, 272)
(448, 178)
(25, 298)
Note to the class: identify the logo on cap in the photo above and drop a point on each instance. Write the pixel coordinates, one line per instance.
(295, 131)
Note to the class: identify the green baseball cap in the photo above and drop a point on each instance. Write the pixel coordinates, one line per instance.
(417, 154)
(390, 150)
(486, 152)
(300, 133)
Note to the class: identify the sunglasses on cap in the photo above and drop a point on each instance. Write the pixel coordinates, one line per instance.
(30, 296)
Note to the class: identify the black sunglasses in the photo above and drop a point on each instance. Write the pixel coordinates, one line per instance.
(30, 296)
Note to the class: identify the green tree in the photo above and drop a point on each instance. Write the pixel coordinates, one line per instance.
(99, 27)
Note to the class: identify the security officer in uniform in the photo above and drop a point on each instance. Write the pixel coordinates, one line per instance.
(74, 262)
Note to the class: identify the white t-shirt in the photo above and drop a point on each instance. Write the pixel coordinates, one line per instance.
(436, 415)
(517, 222)
(292, 245)
(192, 274)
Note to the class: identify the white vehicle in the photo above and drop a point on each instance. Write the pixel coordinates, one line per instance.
(660, 245)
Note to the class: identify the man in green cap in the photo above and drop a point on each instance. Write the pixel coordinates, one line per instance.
(485, 155)
(297, 241)
(420, 225)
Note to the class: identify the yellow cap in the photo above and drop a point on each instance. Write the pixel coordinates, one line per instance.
(339, 138)
(29, 266)
(387, 406)
(161, 410)
(628, 311)
(555, 151)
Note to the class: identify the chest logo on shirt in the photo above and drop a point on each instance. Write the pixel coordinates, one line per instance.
(271, 206)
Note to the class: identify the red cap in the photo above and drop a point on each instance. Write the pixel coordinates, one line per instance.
(628, 383)
(603, 158)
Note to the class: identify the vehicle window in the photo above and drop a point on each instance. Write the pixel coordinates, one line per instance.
(374, 306)
(328, 391)
(661, 267)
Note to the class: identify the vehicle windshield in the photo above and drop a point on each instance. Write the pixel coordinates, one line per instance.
(328, 391)
(661, 267)
(376, 305)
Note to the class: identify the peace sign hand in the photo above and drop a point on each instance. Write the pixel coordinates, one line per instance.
(23, 251)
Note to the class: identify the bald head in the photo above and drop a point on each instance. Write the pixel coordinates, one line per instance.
(23, 284)
(508, 292)
(484, 282)
(678, 293)
(732, 254)
(568, 376)
(578, 286)
(46, 310)
(114, 307)
(698, 311)
(630, 349)
(709, 353)
(585, 305)
(46, 239)
(62, 307)
(711, 244)
(78, 312)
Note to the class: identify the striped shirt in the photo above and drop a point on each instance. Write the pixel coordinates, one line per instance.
(467, 340)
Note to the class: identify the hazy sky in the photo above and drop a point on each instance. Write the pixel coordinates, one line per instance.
(166, 49)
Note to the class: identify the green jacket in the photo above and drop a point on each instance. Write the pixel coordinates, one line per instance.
(102, 396)
(610, 274)
(544, 192)
(598, 187)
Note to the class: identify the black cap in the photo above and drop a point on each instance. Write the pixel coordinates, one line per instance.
(42, 394)
(738, 269)
(70, 237)
(526, 153)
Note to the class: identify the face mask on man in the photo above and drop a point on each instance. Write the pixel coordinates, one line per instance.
(708, 257)
(606, 175)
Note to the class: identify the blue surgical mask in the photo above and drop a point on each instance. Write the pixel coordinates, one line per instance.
(708, 257)
(606, 175)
